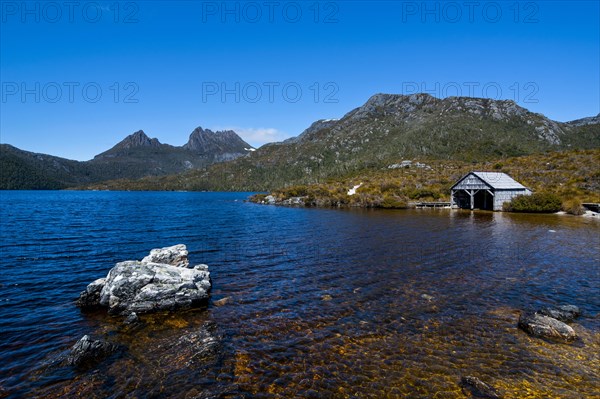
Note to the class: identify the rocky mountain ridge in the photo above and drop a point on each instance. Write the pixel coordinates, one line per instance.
(134, 157)
(137, 139)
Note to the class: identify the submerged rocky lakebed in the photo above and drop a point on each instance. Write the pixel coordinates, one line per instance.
(304, 302)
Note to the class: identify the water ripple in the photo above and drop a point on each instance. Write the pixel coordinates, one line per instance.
(323, 303)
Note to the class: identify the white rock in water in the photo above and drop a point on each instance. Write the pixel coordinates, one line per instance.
(149, 286)
(177, 255)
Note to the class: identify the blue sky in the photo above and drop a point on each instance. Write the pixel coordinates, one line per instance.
(76, 79)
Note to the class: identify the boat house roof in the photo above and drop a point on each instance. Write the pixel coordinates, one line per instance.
(495, 180)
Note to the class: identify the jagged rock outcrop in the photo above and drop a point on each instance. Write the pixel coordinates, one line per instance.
(161, 281)
(135, 140)
(138, 139)
(177, 255)
(223, 145)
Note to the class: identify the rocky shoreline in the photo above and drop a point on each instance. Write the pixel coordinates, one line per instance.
(327, 202)
(377, 203)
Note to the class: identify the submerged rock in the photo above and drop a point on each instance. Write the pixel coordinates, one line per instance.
(542, 326)
(148, 286)
(132, 318)
(88, 352)
(196, 347)
(201, 346)
(223, 301)
(475, 388)
(564, 313)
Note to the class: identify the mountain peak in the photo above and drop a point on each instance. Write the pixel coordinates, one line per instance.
(222, 141)
(380, 99)
(407, 106)
(135, 140)
(392, 103)
(140, 139)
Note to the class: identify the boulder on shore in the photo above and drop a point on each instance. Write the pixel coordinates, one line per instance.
(541, 326)
(161, 281)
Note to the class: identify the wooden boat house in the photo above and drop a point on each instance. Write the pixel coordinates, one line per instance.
(485, 190)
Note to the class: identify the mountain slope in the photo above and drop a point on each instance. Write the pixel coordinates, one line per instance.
(23, 170)
(390, 128)
(134, 157)
(384, 131)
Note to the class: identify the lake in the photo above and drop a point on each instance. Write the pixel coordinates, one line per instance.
(319, 302)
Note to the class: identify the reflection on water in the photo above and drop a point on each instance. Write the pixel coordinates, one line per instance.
(321, 303)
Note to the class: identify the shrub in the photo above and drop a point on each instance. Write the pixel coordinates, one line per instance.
(393, 202)
(295, 191)
(420, 193)
(388, 185)
(573, 207)
(536, 202)
(258, 198)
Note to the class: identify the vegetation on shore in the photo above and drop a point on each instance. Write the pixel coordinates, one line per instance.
(561, 180)
(534, 203)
